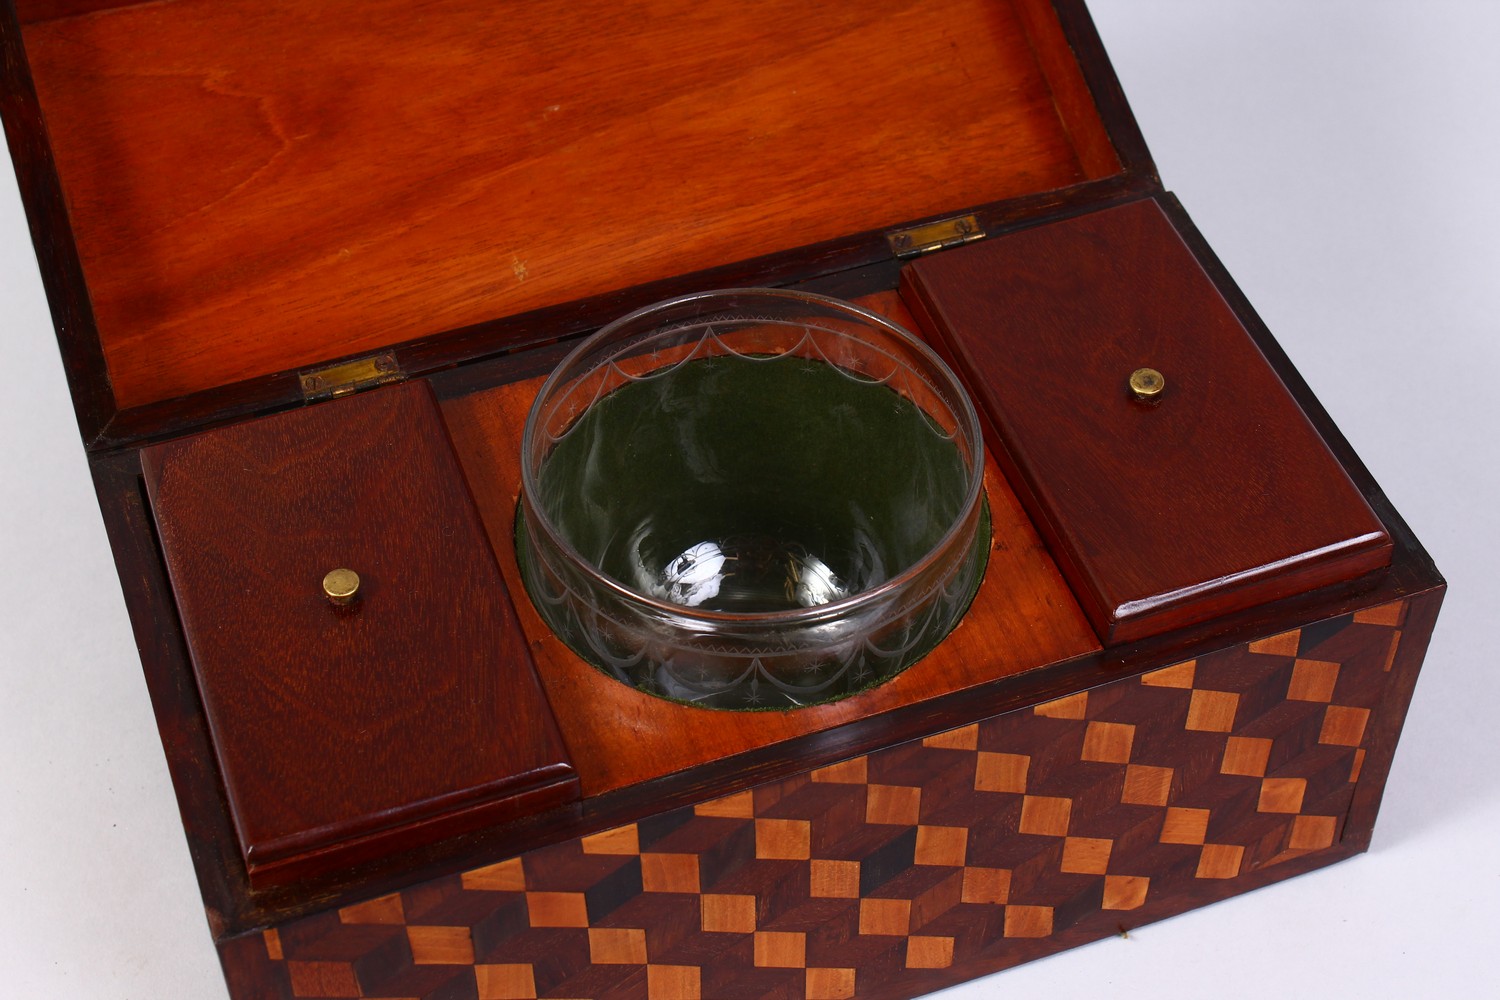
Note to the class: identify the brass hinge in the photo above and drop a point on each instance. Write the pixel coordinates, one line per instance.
(350, 376)
(934, 236)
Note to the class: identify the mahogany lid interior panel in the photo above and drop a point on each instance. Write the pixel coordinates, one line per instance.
(1217, 496)
(345, 732)
(257, 186)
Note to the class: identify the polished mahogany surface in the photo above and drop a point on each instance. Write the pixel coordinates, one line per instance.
(347, 732)
(256, 187)
(1213, 497)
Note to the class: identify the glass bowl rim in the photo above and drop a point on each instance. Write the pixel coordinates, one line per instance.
(966, 419)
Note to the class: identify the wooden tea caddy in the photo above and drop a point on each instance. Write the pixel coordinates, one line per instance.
(306, 265)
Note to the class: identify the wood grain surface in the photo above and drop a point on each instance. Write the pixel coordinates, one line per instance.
(343, 733)
(1023, 617)
(1215, 497)
(256, 187)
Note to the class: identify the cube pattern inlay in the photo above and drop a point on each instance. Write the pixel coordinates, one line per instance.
(969, 850)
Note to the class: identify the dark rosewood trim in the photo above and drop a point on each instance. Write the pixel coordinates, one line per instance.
(1079, 114)
(174, 693)
(157, 422)
(1109, 96)
(51, 235)
(1385, 725)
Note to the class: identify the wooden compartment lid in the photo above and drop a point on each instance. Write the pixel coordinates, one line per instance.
(1166, 511)
(256, 188)
(347, 732)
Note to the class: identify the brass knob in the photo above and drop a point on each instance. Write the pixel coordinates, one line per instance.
(1147, 383)
(341, 586)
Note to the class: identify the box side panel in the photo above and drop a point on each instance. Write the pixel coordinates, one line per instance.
(56, 251)
(916, 866)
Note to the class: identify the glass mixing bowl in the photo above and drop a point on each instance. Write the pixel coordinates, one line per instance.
(752, 499)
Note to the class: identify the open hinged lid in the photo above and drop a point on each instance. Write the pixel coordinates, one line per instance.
(227, 193)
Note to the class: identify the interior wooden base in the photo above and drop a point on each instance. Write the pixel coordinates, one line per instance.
(1023, 617)
(258, 187)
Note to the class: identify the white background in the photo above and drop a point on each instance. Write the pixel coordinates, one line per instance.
(1341, 158)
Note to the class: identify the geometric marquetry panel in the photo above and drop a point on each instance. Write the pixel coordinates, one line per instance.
(909, 868)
